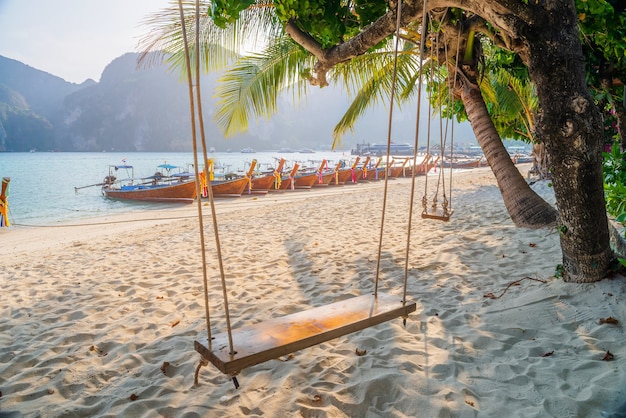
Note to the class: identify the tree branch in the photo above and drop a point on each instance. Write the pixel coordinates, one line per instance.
(501, 14)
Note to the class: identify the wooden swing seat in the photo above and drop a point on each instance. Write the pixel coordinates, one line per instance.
(280, 336)
(437, 214)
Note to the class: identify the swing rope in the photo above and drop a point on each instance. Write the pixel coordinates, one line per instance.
(415, 149)
(441, 179)
(443, 135)
(389, 126)
(447, 203)
(450, 104)
(210, 190)
(426, 20)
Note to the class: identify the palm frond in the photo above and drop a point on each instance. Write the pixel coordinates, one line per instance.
(250, 88)
(370, 78)
(511, 101)
(219, 47)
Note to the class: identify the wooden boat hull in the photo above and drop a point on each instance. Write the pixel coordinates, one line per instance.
(299, 182)
(229, 188)
(285, 184)
(420, 169)
(325, 180)
(395, 172)
(177, 192)
(342, 177)
(305, 181)
(358, 175)
(464, 164)
(262, 185)
(359, 172)
(376, 174)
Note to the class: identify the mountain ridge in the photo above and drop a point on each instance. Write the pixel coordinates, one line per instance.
(147, 109)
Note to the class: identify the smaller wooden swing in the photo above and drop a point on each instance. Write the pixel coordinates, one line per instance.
(436, 209)
(234, 350)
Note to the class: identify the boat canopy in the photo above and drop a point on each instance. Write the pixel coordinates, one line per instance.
(167, 166)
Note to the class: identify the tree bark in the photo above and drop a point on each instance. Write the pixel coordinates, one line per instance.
(571, 127)
(525, 207)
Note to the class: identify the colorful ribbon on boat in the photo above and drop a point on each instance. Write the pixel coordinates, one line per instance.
(4, 202)
(353, 175)
(250, 174)
(277, 180)
(211, 169)
(364, 171)
(4, 213)
(204, 189)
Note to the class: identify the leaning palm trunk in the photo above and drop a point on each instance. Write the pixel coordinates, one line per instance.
(525, 207)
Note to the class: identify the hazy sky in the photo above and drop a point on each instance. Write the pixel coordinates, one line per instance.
(72, 39)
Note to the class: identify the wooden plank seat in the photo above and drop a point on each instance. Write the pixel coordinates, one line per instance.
(438, 214)
(280, 336)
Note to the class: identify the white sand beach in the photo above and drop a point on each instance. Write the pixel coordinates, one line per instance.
(99, 320)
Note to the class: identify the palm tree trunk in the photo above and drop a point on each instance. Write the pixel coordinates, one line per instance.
(525, 207)
(571, 127)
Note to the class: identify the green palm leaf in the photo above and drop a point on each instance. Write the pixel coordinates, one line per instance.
(251, 86)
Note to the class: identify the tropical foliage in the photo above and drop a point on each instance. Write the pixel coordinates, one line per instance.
(603, 32)
(614, 170)
(250, 88)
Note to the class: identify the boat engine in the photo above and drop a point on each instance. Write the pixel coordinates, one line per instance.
(109, 180)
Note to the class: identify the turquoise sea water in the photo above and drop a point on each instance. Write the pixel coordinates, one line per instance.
(42, 183)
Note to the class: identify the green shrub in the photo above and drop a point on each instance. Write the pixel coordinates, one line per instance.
(614, 172)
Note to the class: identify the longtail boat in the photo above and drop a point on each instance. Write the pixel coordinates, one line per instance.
(346, 174)
(464, 163)
(263, 184)
(376, 173)
(421, 168)
(360, 173)
(326, 176)
(4, 202)
(232, 188)
(307, 180)
(156, 188)
(178, 192)
(287, 182)
(396, 170)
